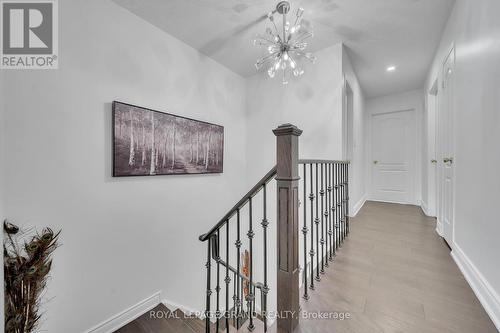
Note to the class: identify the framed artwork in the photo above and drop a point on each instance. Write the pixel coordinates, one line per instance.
(148, 143)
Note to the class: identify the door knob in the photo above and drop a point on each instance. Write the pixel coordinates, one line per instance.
(448, 160)
(375, 162)
(434, 161)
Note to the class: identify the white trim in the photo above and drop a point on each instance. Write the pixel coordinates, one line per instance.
(357, 207)
(481, 287)
(172, 306)
(425, 209)
(435, 88)
(123, 318)
(439, 228)
(393, 202)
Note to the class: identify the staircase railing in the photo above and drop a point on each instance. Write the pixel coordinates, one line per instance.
(325, 186)
(325, 225)
(212, 238)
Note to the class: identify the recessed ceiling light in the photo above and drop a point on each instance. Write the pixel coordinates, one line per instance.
(391, 68)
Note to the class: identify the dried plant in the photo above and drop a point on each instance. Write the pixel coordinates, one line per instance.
(27, 263)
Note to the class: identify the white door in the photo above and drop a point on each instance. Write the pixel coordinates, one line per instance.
(446, 148)
(393, 156)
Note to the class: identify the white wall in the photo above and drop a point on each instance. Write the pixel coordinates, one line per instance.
(474, 28)
(313, 103)
(123, 238)
(2, 175)
(411, 100)
(2, 145)
(357, 181)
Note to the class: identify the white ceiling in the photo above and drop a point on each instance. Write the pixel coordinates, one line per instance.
(377, 33)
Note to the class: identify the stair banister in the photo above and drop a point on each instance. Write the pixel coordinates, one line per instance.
(328, 193)
(287, 179)
(239, 204)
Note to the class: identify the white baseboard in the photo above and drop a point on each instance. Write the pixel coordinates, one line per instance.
(481, 287)
(123, 318)
(424, 208)
(393, 202)
(172, 306)
(439, 228)
(357, 207)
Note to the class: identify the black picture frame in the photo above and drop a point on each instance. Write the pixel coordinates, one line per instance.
(147, 142)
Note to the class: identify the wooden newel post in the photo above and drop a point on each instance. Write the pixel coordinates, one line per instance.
(287, 178)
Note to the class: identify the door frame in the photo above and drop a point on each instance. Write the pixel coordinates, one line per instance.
(440, 149)
(432, 124)
(347, 121)
(414, 168)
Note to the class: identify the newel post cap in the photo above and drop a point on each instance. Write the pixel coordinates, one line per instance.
(287, 129)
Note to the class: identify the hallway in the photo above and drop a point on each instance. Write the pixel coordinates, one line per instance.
(193, 155)
(395, 274)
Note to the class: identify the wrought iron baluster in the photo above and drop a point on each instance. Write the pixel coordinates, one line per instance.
(262, 306)
(238, 287)
(227, 279)
(311, 251)
(265, 289)
(322, 240)
(250, 297)
(328, 183)
(327, 213)
(217, 288)
(337, 203)
(343, 202)
(340, 205)
(233, 312)
(347, 190)
(242, 302)
(253, 304)
(334, 208)
(208, 291)
(341, 186)
(331, 211)
(317, 225)
(304, 231)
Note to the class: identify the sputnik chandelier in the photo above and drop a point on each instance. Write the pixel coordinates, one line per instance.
(287, 47)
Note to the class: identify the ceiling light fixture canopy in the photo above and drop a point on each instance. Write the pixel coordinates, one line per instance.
(285, 48)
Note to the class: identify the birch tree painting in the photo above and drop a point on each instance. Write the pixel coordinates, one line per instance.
(148, 142)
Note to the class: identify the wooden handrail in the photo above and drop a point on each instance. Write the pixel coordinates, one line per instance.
(254, 191)
(240, 203)
(314, 161)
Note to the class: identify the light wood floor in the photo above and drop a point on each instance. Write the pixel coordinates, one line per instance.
(394, 274)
